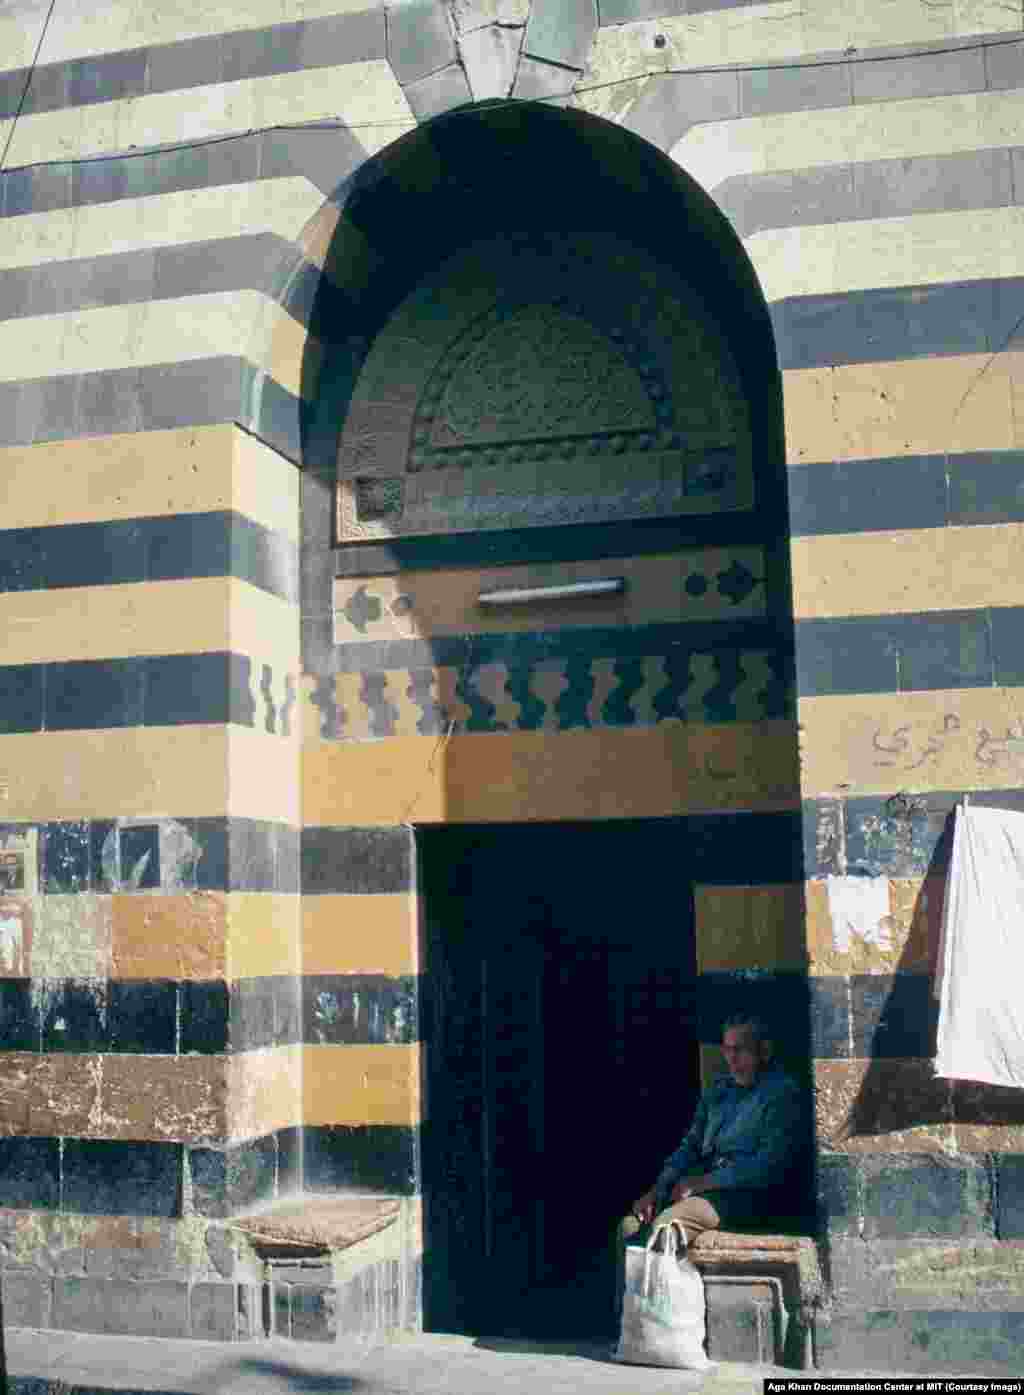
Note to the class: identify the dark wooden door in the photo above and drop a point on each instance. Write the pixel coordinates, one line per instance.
(561, 1062)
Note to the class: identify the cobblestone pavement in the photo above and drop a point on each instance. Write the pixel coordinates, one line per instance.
(62, 1363)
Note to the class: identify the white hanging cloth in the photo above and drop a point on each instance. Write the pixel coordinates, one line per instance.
(980, 974)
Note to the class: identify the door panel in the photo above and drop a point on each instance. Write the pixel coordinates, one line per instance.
(562, 1062)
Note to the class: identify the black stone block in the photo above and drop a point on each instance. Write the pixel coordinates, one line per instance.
(186, 63)
(378, 1157)
(19, 1021)
(289, 1161)
(211, 837)
(927, 1196)
(359, 1009)
(892, 1015)
(845, 656)
(227, 1181)
(356, 860)
(142, 1015)
(771, 844)
(943, 1342)
(187, 688)
(252, 1013)
(782, 1000)
(944, 650)
(287, 993)
(288, 860)
(64, 858)
(1008, 646)
(252, 855)
(1010, 1193)
(849, 498)
(74, 1016)
(830, 1016)
(986, 487)
(96, 554)
(191, 545)
(37, 190)
(840, 1197)
(30, 1174)
(23, 558)
(896, 837)
(249, 53)
(280, 417)
(204, 1017)
(94, 693)
(140, 856)
(108, 1178)
(21, 697)
(99, 832)
(267, 559)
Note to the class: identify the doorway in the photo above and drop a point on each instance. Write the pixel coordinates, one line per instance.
(561, 1061)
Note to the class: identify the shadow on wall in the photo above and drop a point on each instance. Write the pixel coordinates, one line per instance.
(899, 1102)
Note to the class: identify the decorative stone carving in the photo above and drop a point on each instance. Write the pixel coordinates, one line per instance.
(378, 498)
(562, 379)
(496, 392)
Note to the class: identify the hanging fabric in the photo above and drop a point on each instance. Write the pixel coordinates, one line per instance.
(981, 951)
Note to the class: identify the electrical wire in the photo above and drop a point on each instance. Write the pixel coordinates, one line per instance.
(336, 124)
(28, 83)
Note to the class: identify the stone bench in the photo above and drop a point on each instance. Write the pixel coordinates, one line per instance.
(763, 1294)
(331, 1268)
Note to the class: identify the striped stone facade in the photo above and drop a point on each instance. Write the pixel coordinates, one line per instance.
(218, 726)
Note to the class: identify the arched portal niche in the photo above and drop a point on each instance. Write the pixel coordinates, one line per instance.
(544, 358)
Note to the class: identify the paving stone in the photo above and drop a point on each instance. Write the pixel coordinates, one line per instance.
(439, 92)
(489, 57)
(561, 31)
(420, 40)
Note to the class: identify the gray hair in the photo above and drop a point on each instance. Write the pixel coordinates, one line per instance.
(756, 1026)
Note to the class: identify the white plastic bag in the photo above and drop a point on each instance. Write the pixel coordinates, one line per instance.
(663, 1308)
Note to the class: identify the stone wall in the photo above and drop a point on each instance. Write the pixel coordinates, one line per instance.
(204, 782)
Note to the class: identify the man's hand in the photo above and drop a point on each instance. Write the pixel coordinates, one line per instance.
(643, 1208)
(691, 1186)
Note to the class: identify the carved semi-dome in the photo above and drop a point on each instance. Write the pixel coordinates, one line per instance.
(531, 382)
(538, 372)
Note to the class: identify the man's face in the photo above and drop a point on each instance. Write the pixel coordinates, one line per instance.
(743, 1055)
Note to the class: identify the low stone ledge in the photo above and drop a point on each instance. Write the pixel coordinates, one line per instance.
(317, 1224)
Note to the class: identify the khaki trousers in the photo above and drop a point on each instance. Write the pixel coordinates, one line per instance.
(695, 1214)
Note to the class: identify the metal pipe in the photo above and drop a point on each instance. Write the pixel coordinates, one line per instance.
(571, 590)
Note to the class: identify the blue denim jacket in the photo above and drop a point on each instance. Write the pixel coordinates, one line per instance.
(745, 1137)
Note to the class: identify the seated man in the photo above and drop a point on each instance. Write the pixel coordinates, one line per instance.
(741, 1161)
